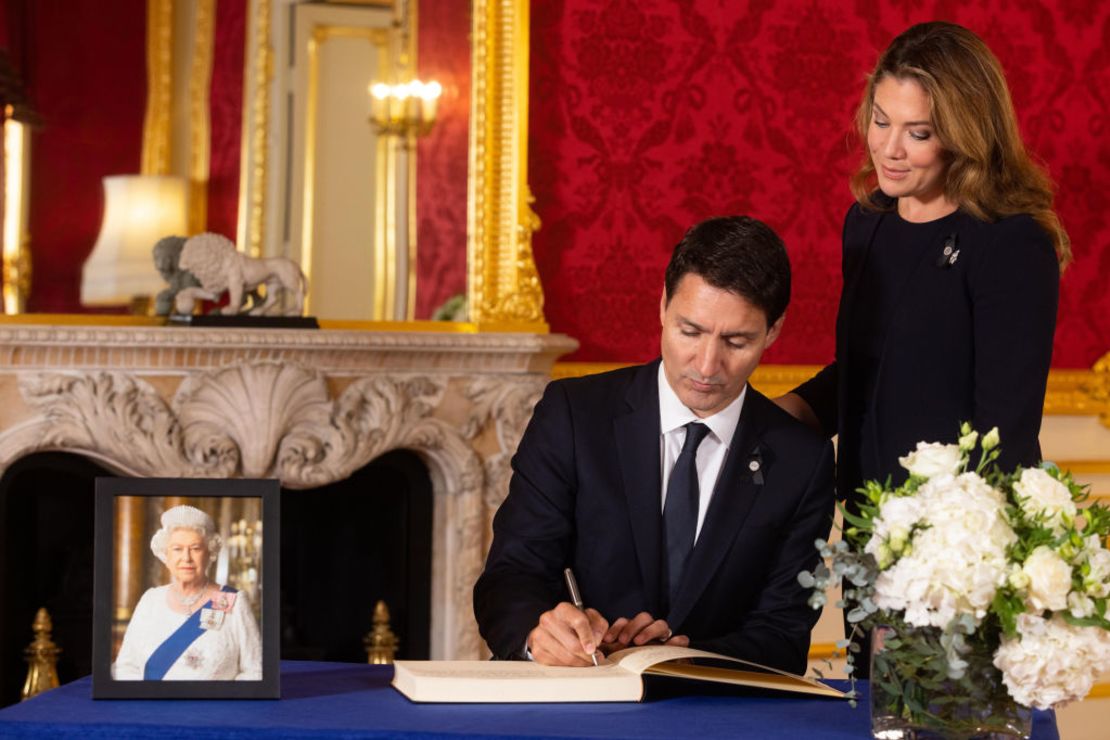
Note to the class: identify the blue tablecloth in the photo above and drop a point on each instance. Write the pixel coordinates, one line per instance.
(337, 700)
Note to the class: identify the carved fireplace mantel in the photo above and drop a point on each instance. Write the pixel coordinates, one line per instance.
(306, 407)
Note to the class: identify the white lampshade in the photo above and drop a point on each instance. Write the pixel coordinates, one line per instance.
(138, 211)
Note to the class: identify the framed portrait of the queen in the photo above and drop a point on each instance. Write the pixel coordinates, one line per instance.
(186, 590)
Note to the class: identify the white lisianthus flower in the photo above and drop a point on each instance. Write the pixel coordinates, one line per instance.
(1051, 661)
(956, 561)
(990, 439)
(1044, 497)
(932, 459)
(892, 530)
(967, 441)
(1017, 577)
(1097, 582)
(896, 518)
(1080, 605)
(1049, 580)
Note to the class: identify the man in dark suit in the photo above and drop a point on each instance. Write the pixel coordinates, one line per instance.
(685, 502)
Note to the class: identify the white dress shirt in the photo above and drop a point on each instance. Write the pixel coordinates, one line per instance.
(673, 417)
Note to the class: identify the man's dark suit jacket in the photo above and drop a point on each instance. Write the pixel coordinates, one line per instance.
(586, 493)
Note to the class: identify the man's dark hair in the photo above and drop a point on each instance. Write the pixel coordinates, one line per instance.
(739, 254)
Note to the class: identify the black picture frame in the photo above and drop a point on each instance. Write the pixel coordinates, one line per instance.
(109, 491)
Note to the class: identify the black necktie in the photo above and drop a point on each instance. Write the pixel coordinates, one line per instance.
(680, 512)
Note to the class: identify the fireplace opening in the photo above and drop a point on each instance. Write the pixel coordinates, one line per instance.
(348, 544)
(46, 521)
(344, 546)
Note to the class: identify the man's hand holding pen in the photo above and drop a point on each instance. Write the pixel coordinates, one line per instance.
(567, 635)
(571, 635)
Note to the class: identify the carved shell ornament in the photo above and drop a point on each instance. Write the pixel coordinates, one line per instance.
(256, 419)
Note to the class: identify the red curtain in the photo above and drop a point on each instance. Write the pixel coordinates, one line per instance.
(650, 115)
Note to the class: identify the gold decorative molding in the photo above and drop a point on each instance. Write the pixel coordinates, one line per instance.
(504, 288)
(1098, 388)
(256, 127)
(200, 83)
(16, 279)
(1070, 392)
(825, 651)
(157, 132)
(1099, 691)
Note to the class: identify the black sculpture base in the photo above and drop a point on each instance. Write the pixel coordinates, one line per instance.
(245, 321)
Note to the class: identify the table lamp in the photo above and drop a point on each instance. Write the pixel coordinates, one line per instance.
(138, 211)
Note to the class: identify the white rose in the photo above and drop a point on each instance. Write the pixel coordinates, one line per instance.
(1049, 580)
(932, 459)
(1042, 496)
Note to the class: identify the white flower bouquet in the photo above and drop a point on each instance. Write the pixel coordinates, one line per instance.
(980, 579)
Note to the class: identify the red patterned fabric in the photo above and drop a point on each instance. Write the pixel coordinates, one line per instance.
(226, 117)
(650, 115)
(444, 55)
(85, 72)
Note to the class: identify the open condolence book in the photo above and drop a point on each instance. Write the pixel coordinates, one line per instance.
(620, 679)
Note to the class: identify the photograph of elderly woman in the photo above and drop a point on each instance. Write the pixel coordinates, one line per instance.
(186, 608)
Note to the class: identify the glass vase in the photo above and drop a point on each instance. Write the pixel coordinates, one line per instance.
(913, 698)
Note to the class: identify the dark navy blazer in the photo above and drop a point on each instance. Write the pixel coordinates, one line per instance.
(586, 493)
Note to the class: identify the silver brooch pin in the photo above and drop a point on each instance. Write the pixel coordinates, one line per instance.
(753, 465)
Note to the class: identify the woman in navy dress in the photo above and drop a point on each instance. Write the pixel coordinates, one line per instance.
(951, 261)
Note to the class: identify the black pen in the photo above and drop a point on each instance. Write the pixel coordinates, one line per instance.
(576, 598)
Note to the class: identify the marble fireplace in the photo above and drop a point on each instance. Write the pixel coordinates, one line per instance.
(308, 407)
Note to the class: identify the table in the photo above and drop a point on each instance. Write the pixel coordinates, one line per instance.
(341, 700)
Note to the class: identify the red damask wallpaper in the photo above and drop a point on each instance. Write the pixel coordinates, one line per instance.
(90, 94)
(650, 115)
(225, 96)
(444, 55)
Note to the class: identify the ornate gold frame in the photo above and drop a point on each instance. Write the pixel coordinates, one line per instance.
(503, 288)
(253, 171)
(157, 131)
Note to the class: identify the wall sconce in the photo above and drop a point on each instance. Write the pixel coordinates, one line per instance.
(405, 109)
(138, 211)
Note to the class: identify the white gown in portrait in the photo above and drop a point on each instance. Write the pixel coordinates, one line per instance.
(231, 652)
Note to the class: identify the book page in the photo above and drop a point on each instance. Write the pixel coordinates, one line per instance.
(639, 659)
(655, 659)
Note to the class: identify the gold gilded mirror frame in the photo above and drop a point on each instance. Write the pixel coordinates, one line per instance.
(503, 287)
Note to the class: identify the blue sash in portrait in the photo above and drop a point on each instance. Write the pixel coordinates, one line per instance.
(166, 654)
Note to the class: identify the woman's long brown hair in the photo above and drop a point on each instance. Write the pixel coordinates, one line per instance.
(990, 173)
